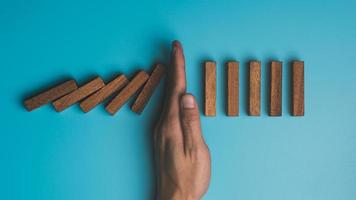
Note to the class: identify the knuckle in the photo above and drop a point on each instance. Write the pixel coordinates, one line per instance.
(179, 88)
(166, 128)
(171, 116)
(203, 149)
(167, 132)
(191, 119)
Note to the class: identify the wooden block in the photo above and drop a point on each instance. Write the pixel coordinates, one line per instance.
(232, 88)
(255, 88)
(132, 87)
(276, 89)
(50, 95)
(147, 91)
(79, 94)
(298, 88)
(99, 96)
(210, 88)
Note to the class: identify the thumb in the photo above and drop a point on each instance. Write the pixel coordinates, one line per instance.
(190, 121)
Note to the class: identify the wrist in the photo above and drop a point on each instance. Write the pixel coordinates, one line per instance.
(181, 196)
(176, 195)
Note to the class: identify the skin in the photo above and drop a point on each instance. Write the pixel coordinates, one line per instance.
(181, 155)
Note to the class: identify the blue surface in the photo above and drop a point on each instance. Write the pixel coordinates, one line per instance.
(71, 155)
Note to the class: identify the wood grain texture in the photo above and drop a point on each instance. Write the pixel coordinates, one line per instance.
(298, 88)
(79, 94)
(232, 88)
(50, 95)
(255, 88)
(93, 100)
(210, 88)
(131, 88)
(147, 91)
(276, 89)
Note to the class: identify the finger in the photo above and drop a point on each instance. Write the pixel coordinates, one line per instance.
(169, 126)
(177, 84)
(190, 121)
(178, 69)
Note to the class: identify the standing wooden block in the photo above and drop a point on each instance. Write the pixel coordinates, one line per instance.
(79, 94)
(232, 88)
(298, 88)
(132, 87)
(276, 89)
(50, 95)
(98, 97)
(147, 91)
(210, 88)
(255, 88)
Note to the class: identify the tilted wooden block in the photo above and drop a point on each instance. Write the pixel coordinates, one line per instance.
(210, 88)
(131, 88)
(255, 88)
(298, 88)
(276, 89)
(232, 88)
(147, 91)
(79, 94)
(99, 96)
(50, 95)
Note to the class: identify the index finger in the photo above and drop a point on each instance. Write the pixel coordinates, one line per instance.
(176, 81)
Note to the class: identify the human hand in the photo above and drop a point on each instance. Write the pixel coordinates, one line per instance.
(181, 154)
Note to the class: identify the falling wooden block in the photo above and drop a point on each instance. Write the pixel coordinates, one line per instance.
(232, 88)
(147, 91)
(50, 95)
(276, 89)
(210, 88)
(298, 88)
(79, 94)
(131, 88)
(255, 88)
(99, 96)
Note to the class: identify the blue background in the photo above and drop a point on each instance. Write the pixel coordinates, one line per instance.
(72, 155)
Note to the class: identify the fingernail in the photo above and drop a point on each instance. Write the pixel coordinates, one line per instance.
(188, 101)
(174, 47)
(175, 43)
